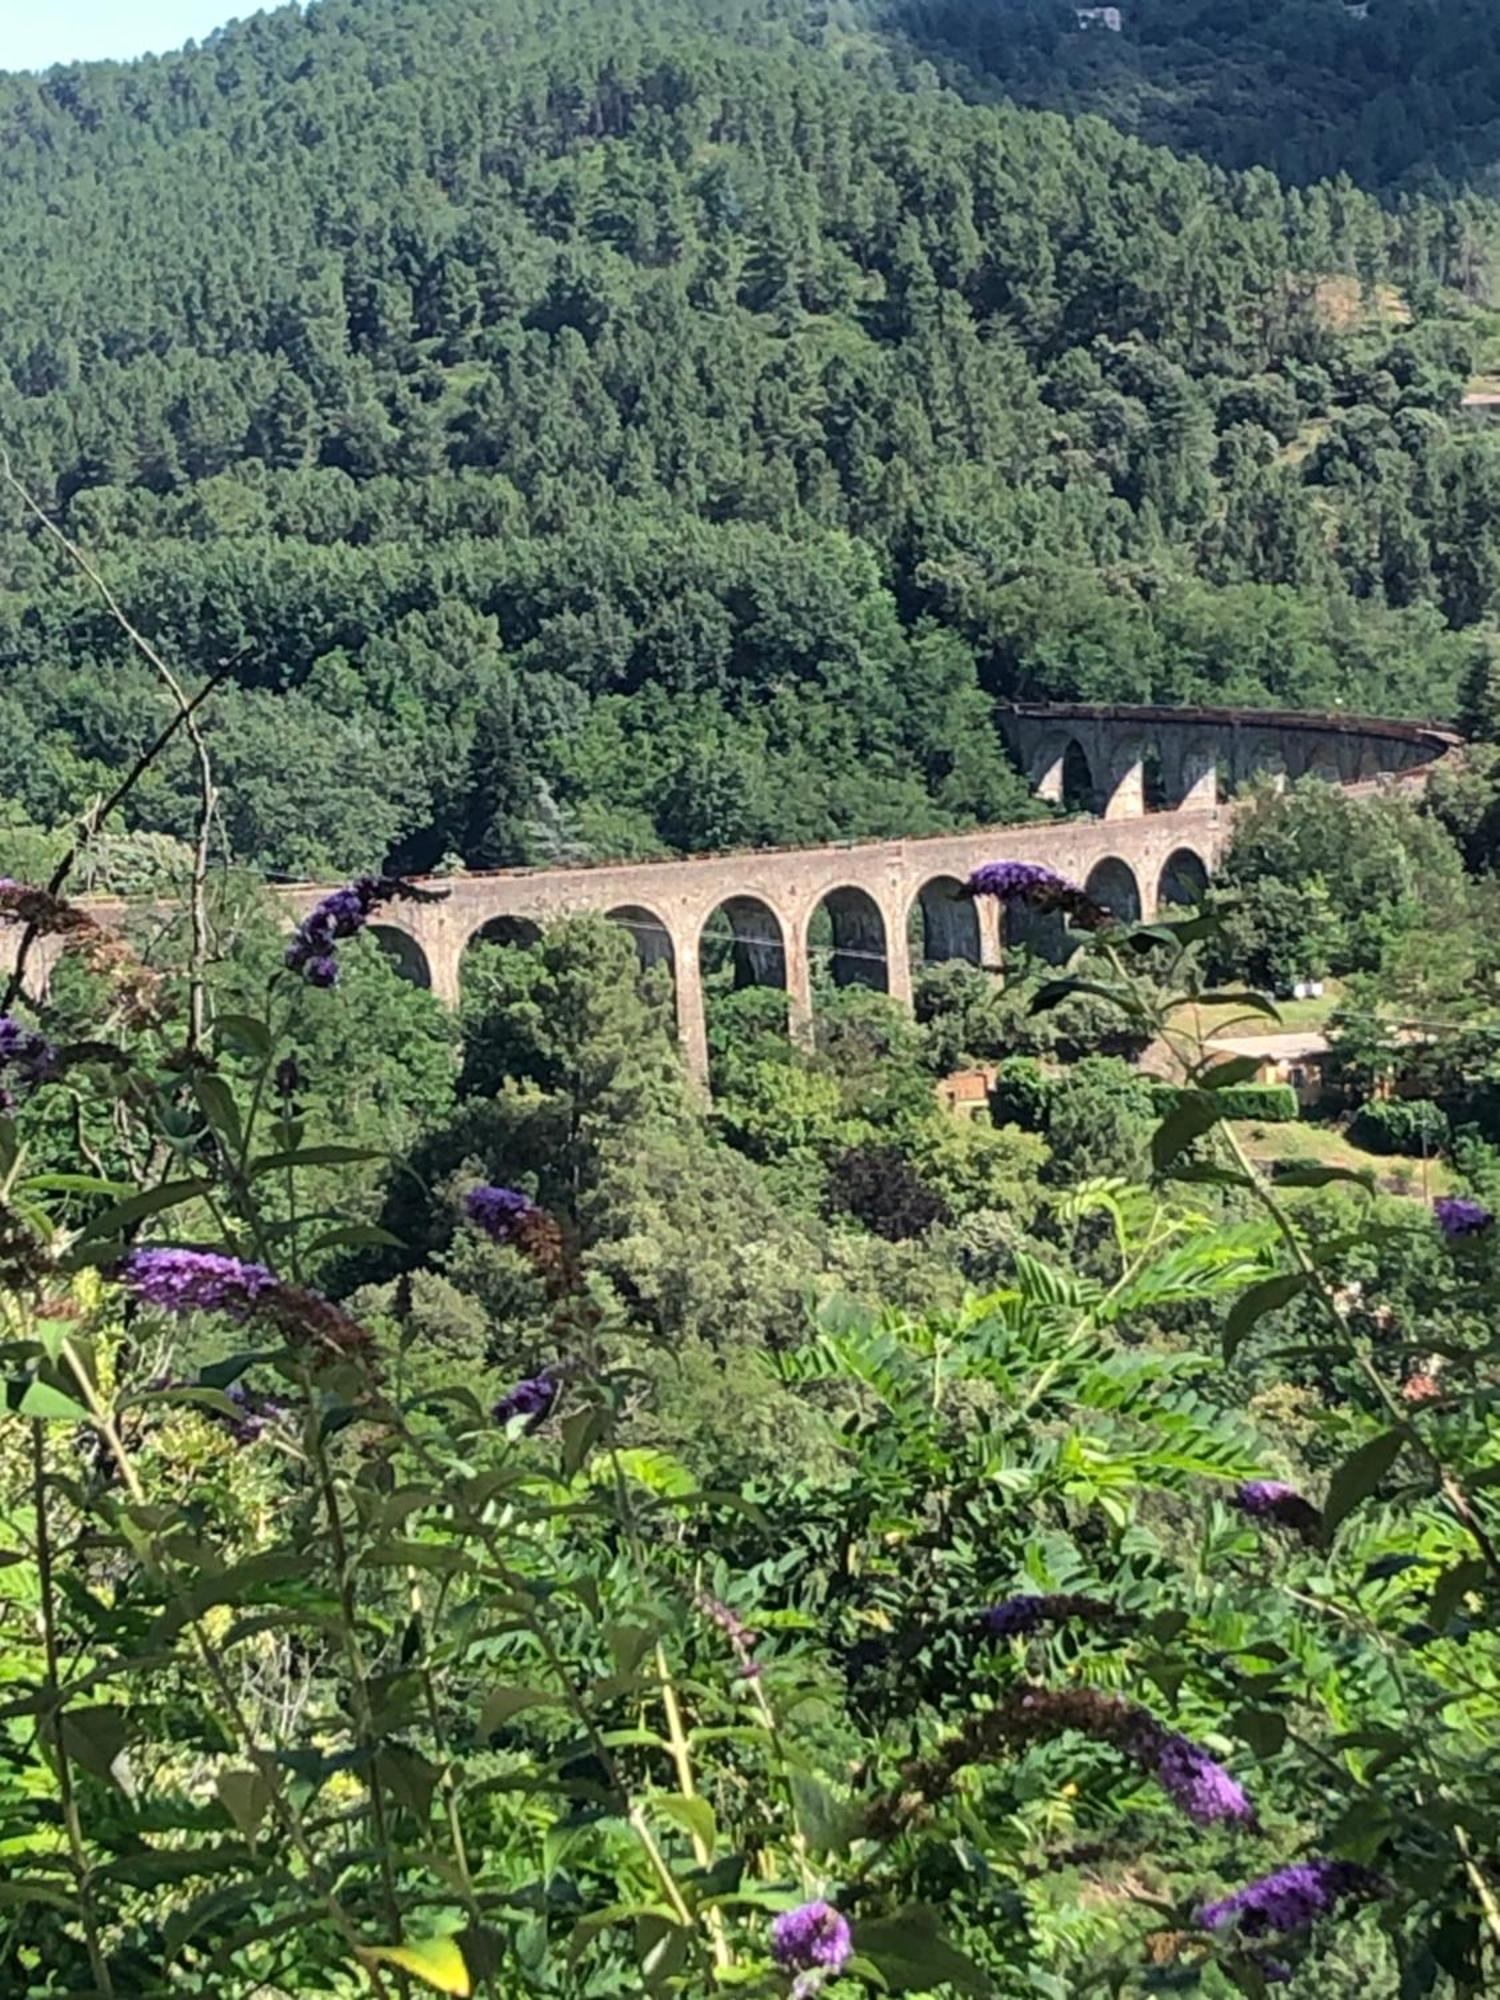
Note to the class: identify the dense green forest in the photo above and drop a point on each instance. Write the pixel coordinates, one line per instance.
(1394, 94)
(616, 430)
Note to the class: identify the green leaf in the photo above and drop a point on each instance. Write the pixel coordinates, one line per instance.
(1195, 1113)
(438, 1962)
(695, 1817)
(1359, 1475)
(911, 1955)
(71, 1184)
(1451, 1588)
(628, 1645)
(1316, 1177)
(827, 1824)
(409, 1778)
(42, 1400)
(95, 1740)
(16, 1892)
(657, 1470)
(246, 1797)
(355, 1236)
(216, 1101)
(244, 1034)
(1225, 1075)
(1264, 1729)
(1056, 991)
(313, 1156)
(580, 1433)
(1253, 1003)
(137, 1207)
(1268, 1296)
(503, 1704)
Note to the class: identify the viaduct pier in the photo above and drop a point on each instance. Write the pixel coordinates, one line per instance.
(1150, 790)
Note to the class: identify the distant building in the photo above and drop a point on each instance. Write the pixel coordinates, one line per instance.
(1295, 1059)
(1100, 17)
(966, 1092)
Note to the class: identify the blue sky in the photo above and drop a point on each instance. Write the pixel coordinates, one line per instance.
(34, 33)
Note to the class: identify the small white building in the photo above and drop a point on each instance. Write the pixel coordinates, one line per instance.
(1100, 17)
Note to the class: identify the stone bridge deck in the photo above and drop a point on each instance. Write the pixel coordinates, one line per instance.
(1149, 779)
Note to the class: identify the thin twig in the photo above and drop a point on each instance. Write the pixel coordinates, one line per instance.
(184, 718)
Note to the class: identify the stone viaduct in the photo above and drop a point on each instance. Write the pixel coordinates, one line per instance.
(1153, 791)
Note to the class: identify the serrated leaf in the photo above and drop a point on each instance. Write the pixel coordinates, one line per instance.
(409, 1777)
(1359, 1475)
(437, 1962)
(1268, 1296)
(246, 1797)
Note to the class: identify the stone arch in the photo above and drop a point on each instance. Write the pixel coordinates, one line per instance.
(1201, 777)
(1183, 880)
(1061, 772)
(521, 931)
(652, 939)
(846, 936)
(1123, 793)
(406, 956)
(745, 934)
(516, 933)
(943, 923)
(1113, 883)
(1264, 759)
(1078, 789)
(1156, 795)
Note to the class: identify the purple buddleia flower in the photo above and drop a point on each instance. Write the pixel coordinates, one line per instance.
(1016, 1617)
(1014, 881)
(1270, 1500)
(1192, 1780)
(1458, 1217)
(1019, 1617)
(1037, 887)
(499, 1211)
(255, 1414)
(179, 1281)
(532, 1399)
(814, 1938)
(339, 915)
(1293, 1898)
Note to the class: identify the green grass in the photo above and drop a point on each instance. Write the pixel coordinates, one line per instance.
(1295, 1017)
(1327, 1146)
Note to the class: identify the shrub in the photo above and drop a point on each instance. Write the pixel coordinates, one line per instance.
(1266, 1103)
(1022, 1094)
(1401, 1125)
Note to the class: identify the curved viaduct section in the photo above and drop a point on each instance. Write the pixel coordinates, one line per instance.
(1153, 789)
(1157, 785)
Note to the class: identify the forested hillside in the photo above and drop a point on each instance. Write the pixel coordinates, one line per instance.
(1397, 94)
(625, 429)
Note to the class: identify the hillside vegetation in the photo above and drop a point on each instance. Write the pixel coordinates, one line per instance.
(616, 430)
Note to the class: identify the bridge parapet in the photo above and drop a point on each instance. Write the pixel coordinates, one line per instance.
(1158, 824)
